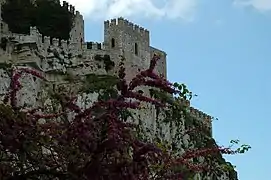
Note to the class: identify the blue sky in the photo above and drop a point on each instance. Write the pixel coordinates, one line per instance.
(221, 50)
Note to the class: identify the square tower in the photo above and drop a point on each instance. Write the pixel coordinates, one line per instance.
(122, 35)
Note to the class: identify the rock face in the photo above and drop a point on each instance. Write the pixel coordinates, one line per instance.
(66, 63)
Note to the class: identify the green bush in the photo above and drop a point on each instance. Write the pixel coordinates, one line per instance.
(49, 17)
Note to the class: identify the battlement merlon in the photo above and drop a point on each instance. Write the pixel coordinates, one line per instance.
(65, 4)
(127, 25)
(78, 14)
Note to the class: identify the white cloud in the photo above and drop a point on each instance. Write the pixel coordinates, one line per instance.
(172, 9)
(261, 5)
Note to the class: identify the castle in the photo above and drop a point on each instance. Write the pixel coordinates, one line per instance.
(56, 57)
(121, 37)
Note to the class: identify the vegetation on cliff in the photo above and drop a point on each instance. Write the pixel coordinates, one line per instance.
(98, 143)
(108, 63)
(48, 16)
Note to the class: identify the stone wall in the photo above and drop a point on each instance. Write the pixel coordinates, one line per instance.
(162, 63)
(56, 59)
(123, 37)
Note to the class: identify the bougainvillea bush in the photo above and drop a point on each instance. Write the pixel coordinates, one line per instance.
(98, 143)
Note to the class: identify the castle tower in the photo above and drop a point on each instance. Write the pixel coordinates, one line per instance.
(77, 32)
(120, 36)
(77, 35)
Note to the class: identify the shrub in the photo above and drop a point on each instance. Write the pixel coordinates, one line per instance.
(50, 18)
(98, 143)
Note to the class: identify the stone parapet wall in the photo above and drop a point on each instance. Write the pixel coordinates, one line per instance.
(57, 59)
(121, 23)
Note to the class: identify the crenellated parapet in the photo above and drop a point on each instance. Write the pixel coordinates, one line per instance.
(201, 116)
(67, 6)
(77, 32)
(207, 119)
(124, 24)
(70, 8)
(78, 14)
(45, 42)
(93, 45)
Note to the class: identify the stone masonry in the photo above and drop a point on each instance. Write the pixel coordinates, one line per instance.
(57, 58)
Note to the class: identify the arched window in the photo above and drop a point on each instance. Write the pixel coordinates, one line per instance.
(136, 49)
(113, 43)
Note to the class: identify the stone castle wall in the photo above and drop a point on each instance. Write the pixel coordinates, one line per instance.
(121, 37)
(54, 57)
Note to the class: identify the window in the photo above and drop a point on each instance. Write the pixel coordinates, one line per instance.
(113, 43)
(136, 49)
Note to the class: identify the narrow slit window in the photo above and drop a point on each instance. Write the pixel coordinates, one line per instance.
(112, 42)
(136, 49)
(2, 27)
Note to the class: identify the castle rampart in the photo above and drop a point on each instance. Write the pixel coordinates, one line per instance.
(199, 115)
(58, 58)
(45, 42)
(90, 49)
(207, 120)
(93, 45)
(67, 6)
(121, 23)
(126, 35)
(130, 37)
(77, 33)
